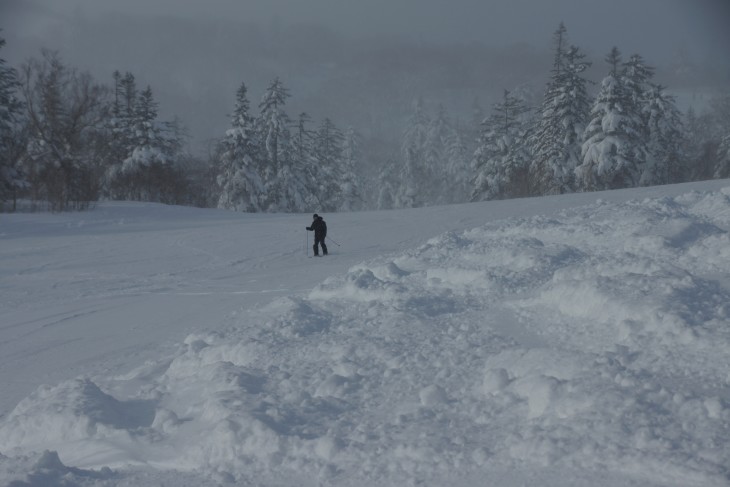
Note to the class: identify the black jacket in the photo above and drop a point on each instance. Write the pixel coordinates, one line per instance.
(319, 227)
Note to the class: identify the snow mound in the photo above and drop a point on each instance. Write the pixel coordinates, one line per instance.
(595, 340)
(46, 469)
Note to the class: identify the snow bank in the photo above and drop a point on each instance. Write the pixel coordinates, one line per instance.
(597, 340)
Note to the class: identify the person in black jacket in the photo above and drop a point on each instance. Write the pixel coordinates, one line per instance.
(319, 227)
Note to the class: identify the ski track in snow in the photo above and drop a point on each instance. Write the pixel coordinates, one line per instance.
(584, 346)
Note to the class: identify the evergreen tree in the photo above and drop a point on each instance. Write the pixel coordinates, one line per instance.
(614, 151)
(636, 78)
(147, 133)
(560, 40)
(722, 169)
(666, 162)
(284, 188)
(304, 162)
(457, 170)
(501, 159)
(119, 184)
(413, 172)
(387, 185)
(473, 131)
(117, 107)
(125, 103)
(273, 124)
(561, 122)
(721, 116)
(149, 171)
(128, 90)
(241, 187)
(146, 152)
(438, 135)
(10, 105)
(691, 144)
(699, 145)
(302, 140)
(350, 188)
(11, 138)
(614, 61)
(329, 144)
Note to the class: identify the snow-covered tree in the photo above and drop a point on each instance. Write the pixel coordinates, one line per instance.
(128, 99)
(149, 173)
(666, 161)
(146, 132)
(285, 189)
(273, 125)
(11, 139)
(501, 159)
(241, 187)
(556, 143)
(636, 77)
(304, 161)
(387, 185)
(329, 144)
(705, 133)
(614, 151)
(698, 146)
(303, 140)
(413, 173)
(121, 123)
(720, 116)
(458, 173)
(560, 41)
(10, 105)
(722, 169)
(435, 186)
(349, 186)
(143, 152)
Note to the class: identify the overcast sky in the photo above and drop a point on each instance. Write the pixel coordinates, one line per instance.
(199, 86)
(656, 28)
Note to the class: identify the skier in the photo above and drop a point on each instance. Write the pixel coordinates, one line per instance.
(319, 227)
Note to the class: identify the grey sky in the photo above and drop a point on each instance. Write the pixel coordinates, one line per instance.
(195, 74)
(656, 28)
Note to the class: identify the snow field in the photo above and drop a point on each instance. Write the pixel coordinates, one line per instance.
(593, 340)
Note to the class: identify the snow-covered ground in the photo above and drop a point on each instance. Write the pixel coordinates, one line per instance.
(572, 340)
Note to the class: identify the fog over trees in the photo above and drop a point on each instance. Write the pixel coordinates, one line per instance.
(302, 118)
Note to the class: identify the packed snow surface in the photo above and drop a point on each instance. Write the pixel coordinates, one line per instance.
(573, 340)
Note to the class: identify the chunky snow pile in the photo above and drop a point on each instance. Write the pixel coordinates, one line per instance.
(596, 340)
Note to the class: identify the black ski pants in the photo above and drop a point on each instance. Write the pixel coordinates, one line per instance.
(319, 240)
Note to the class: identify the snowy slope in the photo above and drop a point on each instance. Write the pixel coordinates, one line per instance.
(572, 340)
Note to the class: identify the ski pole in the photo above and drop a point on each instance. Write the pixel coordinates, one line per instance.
(306, 248)
(334, 242)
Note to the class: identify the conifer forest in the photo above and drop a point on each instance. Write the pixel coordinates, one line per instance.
(68, 140)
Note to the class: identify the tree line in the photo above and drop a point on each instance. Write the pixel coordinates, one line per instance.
(268, 162)
(629, 134)
(67, 141)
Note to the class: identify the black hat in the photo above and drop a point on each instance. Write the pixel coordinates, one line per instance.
(315, 216)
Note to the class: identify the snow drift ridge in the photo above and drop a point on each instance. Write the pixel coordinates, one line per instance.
(589, 340)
